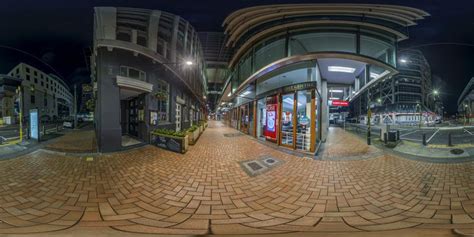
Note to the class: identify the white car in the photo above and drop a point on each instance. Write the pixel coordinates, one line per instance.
(68, 124)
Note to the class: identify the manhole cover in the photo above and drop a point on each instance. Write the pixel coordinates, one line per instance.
(254, 166)
(457, 151)
(271, 161)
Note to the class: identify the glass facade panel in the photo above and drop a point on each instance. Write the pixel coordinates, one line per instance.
(287, 103)
(317, 42)
(377, 48)
(269, 52)
(303, 121)
(245, 69)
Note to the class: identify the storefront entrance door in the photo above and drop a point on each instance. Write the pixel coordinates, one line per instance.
(133, 117)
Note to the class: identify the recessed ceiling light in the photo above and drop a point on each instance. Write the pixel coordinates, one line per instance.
(336, 91)
(341, 69)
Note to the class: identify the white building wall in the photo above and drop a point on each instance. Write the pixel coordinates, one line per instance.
(42, 86)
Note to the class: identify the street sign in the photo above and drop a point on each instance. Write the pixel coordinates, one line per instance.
(340, 103)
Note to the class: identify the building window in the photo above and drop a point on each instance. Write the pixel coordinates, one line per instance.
(27, 77)
(132, 73)
(163, 96)
(27, 69)
(36, 80)
(32, 99)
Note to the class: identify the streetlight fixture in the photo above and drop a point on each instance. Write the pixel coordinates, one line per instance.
(189, 62)
(403, 60)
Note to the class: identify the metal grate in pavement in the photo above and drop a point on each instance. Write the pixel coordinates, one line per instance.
(260, 165)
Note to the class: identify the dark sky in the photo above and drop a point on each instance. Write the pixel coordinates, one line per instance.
(60, 32)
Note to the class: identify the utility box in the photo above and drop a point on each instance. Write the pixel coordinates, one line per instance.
(383, 130)
(392, 136)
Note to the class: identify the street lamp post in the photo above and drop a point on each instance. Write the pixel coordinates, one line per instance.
(20, 107)
(467, 114)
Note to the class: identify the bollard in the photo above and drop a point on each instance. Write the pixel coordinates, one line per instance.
(424, 139)
(44, 130)
(368, 137)
(385, 140)
(398, 135)
(450, 141)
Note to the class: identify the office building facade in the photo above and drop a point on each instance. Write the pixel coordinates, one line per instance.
(141, 74)
(291, 63)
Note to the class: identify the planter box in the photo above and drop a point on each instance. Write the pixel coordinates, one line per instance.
(205, 125)
(193, 136)
(168, 142)
(201, 128)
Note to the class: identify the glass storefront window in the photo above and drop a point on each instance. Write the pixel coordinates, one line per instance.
(303, 111)
(377, 48)
(269, 52)
(251, 121)
(287, 103)
(322, 41)
(261, 118)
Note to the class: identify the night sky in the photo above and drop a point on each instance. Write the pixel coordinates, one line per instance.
(60, 33)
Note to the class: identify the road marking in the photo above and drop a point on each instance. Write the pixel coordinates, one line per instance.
(468, 131)
(429, 139)
(408, 133)
(412, 139)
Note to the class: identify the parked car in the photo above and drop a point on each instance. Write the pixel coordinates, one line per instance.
(68, 123)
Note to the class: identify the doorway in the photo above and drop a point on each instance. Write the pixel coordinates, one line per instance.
(133, 117)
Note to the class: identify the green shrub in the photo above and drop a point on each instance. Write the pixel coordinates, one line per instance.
(169, 132)
(193, 128)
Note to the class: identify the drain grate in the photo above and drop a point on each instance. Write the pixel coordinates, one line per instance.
(456, 151)
(259, 166)
(254, 166)
(233, 134)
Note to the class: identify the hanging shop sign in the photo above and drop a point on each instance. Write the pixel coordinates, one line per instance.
(340, 103)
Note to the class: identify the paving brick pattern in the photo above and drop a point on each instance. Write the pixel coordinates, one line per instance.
(78, 141)
(150, 190)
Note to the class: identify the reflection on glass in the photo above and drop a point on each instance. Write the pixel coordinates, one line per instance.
(303, 111)
(287, 119)
(261, 118)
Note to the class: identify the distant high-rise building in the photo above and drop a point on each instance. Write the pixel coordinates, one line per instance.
(403, 97)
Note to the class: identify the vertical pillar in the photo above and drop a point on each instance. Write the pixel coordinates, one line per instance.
(153, 23)
(134, 36)
(174, 38)
(324, 110)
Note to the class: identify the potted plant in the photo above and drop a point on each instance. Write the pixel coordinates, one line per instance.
(201, 126)
(161, 95)
(170, 140)
(193, 134)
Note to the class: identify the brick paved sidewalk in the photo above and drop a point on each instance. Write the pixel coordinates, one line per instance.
(78, 141)
(205, 191)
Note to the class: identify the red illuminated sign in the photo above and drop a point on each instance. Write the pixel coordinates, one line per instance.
(341, 103)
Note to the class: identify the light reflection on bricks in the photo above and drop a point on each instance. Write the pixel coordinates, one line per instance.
(150, 190)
